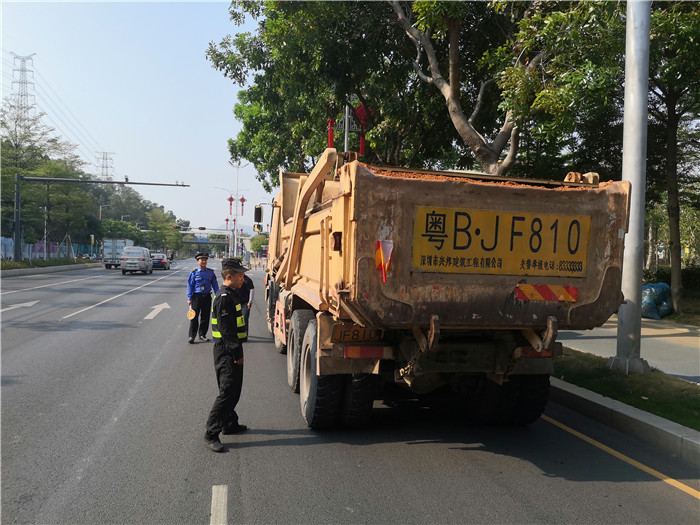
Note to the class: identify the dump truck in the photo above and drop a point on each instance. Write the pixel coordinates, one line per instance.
(424, 280)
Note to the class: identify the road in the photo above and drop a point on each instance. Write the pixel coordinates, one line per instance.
(103, 412)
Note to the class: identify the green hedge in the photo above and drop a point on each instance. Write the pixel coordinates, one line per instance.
(690, 277)
(40, 263)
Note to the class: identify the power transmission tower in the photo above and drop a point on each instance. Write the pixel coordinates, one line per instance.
(107, 164)
(22, 95)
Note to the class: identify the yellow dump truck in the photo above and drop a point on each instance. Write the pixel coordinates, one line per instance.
(432, 280)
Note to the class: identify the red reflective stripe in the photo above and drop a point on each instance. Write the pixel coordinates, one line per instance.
(544, 292)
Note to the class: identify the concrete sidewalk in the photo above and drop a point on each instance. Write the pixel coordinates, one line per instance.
(669, 347)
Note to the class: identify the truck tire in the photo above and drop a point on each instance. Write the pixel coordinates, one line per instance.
(295, 336)
(358, 397)
(123, 272)
(518, 402)
(319, 395)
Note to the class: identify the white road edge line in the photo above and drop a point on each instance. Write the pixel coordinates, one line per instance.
(219, 504)
(111, 298)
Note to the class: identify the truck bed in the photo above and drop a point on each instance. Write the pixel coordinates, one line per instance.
(399, 246)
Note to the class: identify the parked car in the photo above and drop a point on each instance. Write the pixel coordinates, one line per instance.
(160, 261)
(136, 259)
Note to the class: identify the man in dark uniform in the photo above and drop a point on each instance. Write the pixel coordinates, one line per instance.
(200, 283)
(228, 329)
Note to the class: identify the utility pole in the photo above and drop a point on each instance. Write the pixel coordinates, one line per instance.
(629, 319)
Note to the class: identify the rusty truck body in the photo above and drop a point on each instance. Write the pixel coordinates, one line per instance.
(429, 279)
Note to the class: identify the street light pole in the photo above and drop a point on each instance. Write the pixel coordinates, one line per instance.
(103, 206)
(235, 233)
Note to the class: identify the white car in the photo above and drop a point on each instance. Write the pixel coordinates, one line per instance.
(136, 259)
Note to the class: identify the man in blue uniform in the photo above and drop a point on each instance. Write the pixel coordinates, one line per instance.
(228, 330)
(200, 283)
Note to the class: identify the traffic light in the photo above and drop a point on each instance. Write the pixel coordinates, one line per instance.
(176, 227)
(202, 228)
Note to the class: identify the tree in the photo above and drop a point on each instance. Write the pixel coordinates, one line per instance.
(257, 242)
(675, 107)
(306, 62)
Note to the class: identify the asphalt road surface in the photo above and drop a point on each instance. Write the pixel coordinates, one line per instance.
(104, 405)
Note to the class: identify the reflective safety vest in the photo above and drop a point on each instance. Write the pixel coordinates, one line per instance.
(241, 332)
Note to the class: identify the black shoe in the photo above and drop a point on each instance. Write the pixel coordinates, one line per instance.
(214, 444)
(191, 340)
(237, 429)
(204, 338)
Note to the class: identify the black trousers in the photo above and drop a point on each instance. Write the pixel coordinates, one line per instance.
(229, 377)
(201, 304)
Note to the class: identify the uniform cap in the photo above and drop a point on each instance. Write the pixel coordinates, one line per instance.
(202, 255)
(233, 264)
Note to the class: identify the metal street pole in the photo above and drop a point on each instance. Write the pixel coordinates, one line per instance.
(17, 234)
(629, 324)
(103, 206)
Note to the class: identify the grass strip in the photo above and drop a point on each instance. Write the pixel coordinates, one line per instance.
(655, 392)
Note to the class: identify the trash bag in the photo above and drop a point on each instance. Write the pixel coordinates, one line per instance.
(656, 301)
(649, 310)
(665, 308)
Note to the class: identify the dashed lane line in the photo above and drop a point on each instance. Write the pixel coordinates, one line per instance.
(219, 503)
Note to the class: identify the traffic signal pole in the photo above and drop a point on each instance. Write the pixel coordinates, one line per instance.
(17, 256)
(17, 238)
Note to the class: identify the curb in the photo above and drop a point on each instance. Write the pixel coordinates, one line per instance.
(48, 269)
(675, 439)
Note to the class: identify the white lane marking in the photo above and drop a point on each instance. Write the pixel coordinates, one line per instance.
(157, 309)
(115, 297)
(52, 284)
(20, 305)
(219, 497)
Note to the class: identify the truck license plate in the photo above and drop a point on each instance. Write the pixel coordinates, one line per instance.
(348, 333)
(469, 241)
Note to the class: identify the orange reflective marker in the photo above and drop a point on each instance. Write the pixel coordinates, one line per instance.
(190, 314)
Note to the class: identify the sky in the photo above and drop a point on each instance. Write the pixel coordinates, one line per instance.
(132, 79)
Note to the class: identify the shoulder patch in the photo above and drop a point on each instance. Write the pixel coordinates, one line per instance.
(194, 270)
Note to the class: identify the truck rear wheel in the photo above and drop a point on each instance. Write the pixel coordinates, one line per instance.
(271, 300)
(319, 395)
(295, 337)
(517, 402)
(358, 397)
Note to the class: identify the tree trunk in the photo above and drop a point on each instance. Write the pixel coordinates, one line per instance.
(651, 246)
(673, 206)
